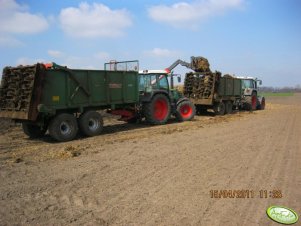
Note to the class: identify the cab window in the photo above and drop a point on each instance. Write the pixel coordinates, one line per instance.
(247, 83)
(163, 82)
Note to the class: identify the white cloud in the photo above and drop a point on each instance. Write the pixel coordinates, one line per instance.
(189, 15)
(55, 53)
(15, 19)
(159, 52)
(95, 20)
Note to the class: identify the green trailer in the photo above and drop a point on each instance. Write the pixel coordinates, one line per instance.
(209, 90)
(50, 90)
(64, 101)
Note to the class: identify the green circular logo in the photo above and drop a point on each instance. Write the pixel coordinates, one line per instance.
(282, 214)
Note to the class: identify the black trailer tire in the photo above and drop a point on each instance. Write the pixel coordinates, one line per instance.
(90, 123)
(185, 111)
(63, 127)
(33, 131)
(157, 111)
(133, 120)
(199, 110)
(219, 108)
(229, 107)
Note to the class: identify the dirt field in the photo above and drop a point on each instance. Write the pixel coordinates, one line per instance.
(161, 175)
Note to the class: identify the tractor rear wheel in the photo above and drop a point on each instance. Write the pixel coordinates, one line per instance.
(229, 107)
(33, 131)
(63, 127)
(158, 110)
(185, 111)
(90, 123)
(251, 102)
(219, 108)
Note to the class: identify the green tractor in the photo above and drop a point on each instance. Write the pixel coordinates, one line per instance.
(159, 99)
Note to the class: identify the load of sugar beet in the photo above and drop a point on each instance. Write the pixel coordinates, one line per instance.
(199, 84)
(16, 87)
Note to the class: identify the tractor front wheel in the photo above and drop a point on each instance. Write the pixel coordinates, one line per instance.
(261, 105)
(185, 111)
(158, 110)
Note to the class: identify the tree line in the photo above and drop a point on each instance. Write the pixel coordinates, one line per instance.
(286, 89)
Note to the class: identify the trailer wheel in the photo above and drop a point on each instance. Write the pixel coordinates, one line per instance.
(132, 120)
(33, 131)
(229, 107)
(219, 108)
(63, 127)
(199, 110)
(158, 110)
(185, 111)
(91, 123)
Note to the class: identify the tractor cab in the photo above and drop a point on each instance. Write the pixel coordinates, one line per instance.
(249, 85)
(153, 81)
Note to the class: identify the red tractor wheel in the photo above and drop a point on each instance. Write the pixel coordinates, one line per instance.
(254, 102)
(251, 102)
(185, 111)
(158, 110)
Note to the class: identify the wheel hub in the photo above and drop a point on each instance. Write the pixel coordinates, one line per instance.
(186, 111)
(65, 128)
(93, 124)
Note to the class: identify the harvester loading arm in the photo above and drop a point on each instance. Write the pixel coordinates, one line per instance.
(197, 64)
(177, 62)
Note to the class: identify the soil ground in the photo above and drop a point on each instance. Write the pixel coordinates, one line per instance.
(172, 174)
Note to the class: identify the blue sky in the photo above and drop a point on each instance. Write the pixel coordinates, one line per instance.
(259, 38)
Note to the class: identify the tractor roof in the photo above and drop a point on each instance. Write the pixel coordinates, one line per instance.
(246, 77)
(153, 72)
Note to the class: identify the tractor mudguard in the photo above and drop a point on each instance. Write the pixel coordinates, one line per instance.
(149, 96)
(181, 100)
